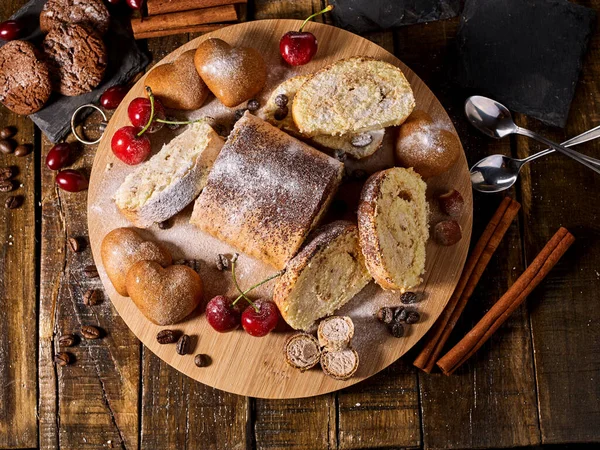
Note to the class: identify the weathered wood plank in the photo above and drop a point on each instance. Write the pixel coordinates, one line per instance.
(93, 402)
(491, 401)
(178, 412)
(564, 309)
(18, 309)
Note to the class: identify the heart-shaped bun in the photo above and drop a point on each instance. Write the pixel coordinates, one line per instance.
(122, 248)
(164, 295)
(233, 74)
(177, 84)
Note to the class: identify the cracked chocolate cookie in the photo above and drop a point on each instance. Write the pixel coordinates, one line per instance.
(24, 78)
(91, 14)
(77, 59)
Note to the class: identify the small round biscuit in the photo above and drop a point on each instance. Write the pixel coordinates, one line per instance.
(91, 14)
(24, 78)
(77, 59)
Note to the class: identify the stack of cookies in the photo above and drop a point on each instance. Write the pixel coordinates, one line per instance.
(72, 59)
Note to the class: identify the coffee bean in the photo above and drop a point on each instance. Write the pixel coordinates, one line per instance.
(6, 173)
(409, 297)
(75, 245)
(281, 100)
(67, 340)
(166, 336)
(385, 315)
(164, 225)
(63, 359)
(7, 146)
(191, 263)
(412, 317)
(12, 202)
(90, 271)
(22, 150)
(172, 126)
(7, 132)
(396, 329)
(281, 113)
(202, 360)
(6, 186)
(399, 311)
(222, 262)
(239, 113)
(91, 297)
(252, 104)
(90, 332)
(183, 345)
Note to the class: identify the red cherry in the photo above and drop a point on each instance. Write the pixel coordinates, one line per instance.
(129, 147)
(260, 323)
(136, 4)
(222, 315)
(58, 156)
(139, 113)
(113, 96)
(71, 180)
(11, 29)
(298, 47)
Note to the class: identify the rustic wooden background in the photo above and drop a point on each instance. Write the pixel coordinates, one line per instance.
(536, 382)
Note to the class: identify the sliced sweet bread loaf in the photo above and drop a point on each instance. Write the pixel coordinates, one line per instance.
(393, 229)
(356, 145)
(352, 95)
(171, 179)
(324, 275)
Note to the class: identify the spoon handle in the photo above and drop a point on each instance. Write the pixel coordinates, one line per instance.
(586, 136)
(593, 165)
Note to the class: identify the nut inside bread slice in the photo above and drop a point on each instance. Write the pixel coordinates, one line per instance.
(352, 95)
(339, 364)
(324, 275)
(335, 332)
(302, 351)
(171, 179)
(356, 145)
(393, 229)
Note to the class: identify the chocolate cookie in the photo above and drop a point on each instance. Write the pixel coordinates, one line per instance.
(24, 78)
(77, 59)
(91, 14)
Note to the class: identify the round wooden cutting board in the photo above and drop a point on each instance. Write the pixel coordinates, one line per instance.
(256, 366)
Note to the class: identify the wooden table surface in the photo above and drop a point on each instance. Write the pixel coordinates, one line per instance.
(536, 382)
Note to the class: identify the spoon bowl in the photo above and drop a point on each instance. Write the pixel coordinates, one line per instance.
(495, 173)
(489, 117)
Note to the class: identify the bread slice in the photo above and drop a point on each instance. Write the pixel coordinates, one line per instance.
(302, 351)
(393, 230)
(352, 95)
(356, 145)
(339, 364)
(335, 332)
(171, 179)
(266, 191)
(326, 273)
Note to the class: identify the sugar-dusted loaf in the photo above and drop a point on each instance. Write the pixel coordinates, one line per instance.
(266, 191)
(352, 95)
(393, 229)
(171, 179)
(356, 145)
(326, 273)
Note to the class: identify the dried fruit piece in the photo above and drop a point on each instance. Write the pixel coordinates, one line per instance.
(451, 203)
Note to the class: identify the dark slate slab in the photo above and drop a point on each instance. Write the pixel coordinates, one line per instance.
(525, 53)
(361, 16)
(124, 61)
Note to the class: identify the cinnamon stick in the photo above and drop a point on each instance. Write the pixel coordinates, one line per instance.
(189, 29)
(183, 20)
(514, 297)
(475, 266)
(169, 6)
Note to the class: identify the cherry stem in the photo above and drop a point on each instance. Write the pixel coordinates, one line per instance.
(260, 283)
(177, 122)
(327, 9)
(151, 97)
(242, 294)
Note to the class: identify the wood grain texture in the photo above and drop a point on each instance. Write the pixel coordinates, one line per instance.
(168, 6)
(240, 353)
(178, 412)
(493, 398)
(18, 304)
(93, 402)
(565, 311)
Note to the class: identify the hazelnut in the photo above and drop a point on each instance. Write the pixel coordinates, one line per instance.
(451, 203)
(447, 232)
